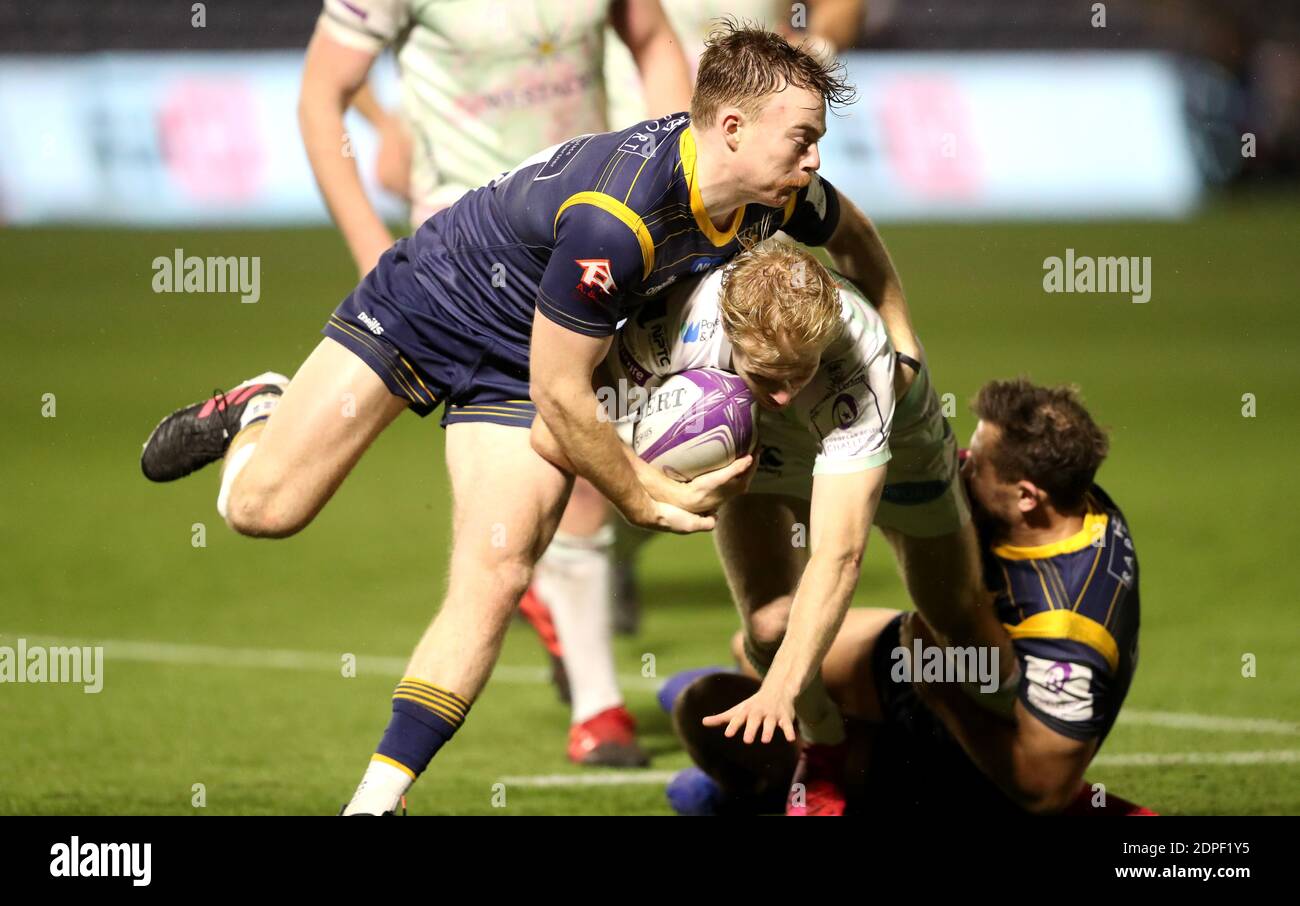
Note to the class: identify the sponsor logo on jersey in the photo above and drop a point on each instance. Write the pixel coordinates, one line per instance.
(704, 264)
(557, 161)
(373, 323)
(1122, 562)
(1060, 688)
(659, 346)
(596, 275)
(658, 286)
(635, 371)
(699, 331)
(650, 135)
(844, 410)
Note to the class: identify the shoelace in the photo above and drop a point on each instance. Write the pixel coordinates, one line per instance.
(223, 411)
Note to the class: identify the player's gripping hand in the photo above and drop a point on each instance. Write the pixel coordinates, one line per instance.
(664, 517)
(765, 710)
(705, 493)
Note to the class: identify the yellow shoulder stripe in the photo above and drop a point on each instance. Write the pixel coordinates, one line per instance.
(1067, 624)
(612, 205)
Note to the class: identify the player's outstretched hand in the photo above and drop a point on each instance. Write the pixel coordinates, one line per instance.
(765, 710)
(705, 493)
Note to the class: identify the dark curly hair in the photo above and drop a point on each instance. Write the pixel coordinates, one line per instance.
(1048, 438)
(743, 63)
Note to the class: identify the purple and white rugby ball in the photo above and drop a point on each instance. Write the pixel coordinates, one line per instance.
(696, 422)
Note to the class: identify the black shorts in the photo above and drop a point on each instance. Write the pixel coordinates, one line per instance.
(915, 762)
(423, 355)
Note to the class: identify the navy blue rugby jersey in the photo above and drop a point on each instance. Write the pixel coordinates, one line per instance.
(587, 231)
(1073, 609)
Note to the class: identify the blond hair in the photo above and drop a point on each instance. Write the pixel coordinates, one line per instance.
(743, 64)
(779, 302)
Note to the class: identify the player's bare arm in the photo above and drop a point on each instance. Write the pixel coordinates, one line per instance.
(843, 506)
(562, 362)
(332, 75)
(1035, 766)
(860, 254)
(703, 494)
(644, 28)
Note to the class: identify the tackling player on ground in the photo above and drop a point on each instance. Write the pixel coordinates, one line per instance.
(1059, 559)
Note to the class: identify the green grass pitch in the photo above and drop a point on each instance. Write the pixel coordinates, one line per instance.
(93, 552)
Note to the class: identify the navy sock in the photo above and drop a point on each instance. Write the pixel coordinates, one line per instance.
(425, 717)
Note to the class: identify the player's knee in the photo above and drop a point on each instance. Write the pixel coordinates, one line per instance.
(500, 582)
(766, 624)
(263, 511)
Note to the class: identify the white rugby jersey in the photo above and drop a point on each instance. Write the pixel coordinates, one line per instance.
(485, 83)
(848, 407)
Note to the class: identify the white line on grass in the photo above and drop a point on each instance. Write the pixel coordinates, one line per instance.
(280, 659)
(1183, 721)
(1158, 759)
(1138, 760)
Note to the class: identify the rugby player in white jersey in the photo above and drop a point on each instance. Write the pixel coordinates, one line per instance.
(828, 427)
(483, 86)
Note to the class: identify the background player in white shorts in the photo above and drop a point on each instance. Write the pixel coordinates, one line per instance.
(483, 86)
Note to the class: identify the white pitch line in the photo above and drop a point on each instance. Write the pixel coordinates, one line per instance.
(1181, 721)
(282, 659)
(1157, 759)
(1138, 760)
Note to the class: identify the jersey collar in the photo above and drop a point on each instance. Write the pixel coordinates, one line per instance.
(1091, 534)
(686, 150)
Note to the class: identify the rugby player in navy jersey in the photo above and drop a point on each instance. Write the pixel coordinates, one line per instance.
(506, 301)
(1059, 559)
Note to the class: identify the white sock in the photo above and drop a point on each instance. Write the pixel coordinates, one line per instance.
(234, 465)
(260, 406)
(574, 579)
(381, 790)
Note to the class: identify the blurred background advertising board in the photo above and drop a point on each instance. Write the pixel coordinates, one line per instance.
(152, 139)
